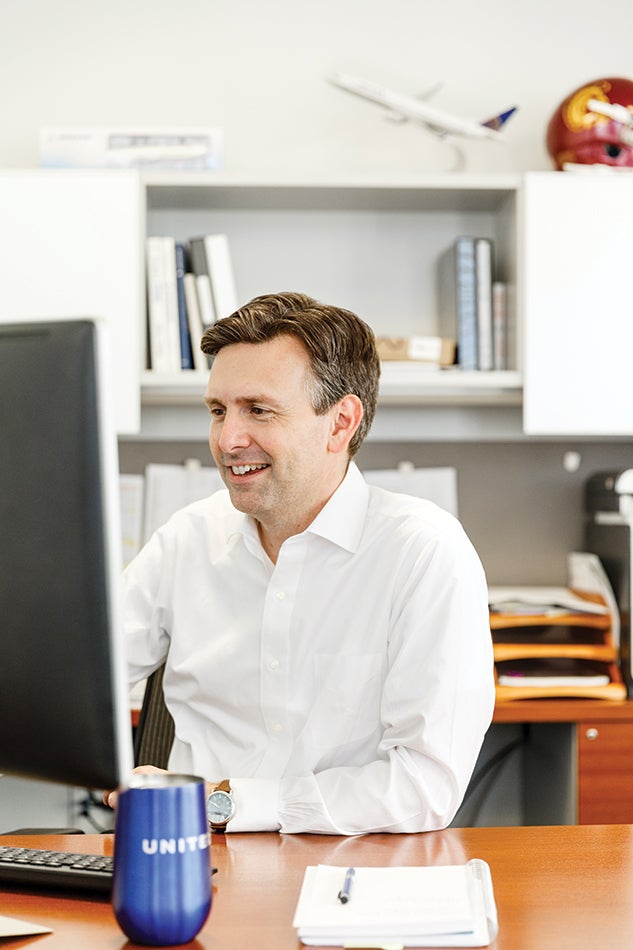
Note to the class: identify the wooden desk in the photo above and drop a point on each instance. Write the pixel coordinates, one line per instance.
(563, 887)
(603, 751)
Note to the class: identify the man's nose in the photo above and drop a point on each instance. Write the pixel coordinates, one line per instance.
(234, 432)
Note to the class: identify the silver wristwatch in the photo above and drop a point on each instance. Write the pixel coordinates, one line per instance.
(220, 806)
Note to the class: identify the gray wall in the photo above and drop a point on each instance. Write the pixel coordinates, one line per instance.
(521, 508)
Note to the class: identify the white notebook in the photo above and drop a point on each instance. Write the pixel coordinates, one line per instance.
(446, 906)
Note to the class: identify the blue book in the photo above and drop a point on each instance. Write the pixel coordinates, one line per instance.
(186, 355)
(457, 300)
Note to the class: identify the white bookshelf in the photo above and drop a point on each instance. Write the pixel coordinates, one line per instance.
(562, 244)
(370, 245)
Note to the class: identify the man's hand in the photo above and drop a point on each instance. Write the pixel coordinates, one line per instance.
(110, 798)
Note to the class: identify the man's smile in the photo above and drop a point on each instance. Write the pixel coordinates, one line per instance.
(245, 469)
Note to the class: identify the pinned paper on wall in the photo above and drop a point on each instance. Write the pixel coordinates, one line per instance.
(438, 484)
(131, 489)
(170, 487)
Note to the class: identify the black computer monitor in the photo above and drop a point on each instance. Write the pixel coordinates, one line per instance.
(64, 712)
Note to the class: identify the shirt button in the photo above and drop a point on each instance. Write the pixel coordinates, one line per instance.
(273, 665)
(277, 727)
(280, 595)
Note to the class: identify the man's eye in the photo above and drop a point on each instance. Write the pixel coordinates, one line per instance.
(216, 412)
(258, 411)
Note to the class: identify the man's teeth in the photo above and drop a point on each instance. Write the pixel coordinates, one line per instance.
(243, 469)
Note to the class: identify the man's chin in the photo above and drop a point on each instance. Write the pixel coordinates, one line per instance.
(243, 500)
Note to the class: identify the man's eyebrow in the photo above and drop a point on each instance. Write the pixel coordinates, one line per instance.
(253, 400)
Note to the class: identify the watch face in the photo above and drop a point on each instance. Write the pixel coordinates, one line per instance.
(220, 808)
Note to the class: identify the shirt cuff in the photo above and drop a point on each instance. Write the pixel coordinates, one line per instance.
(256, 805)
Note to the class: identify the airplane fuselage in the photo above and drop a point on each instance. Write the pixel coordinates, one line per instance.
(436, 120)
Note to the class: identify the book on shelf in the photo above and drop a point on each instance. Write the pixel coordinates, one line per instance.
(499, 325)
(171, 298)
(439, 906)
(213, 266)
(200, 270)
(196, 329)
(483, 281)
(186, 356)
(162, 305)
(457, 299)
(220, 269)
(433, 351)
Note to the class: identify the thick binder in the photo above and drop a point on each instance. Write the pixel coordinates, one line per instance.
(442, 906)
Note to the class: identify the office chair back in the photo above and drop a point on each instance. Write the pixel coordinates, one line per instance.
(155, 730)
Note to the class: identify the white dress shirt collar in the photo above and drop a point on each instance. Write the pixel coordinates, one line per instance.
(340, 521)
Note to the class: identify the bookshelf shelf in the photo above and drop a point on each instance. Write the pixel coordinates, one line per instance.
(402, 384)
(444, 193)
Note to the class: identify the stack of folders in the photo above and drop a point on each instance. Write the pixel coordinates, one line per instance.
(394, 907)
(552, 642)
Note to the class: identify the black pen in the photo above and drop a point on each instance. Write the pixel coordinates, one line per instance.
(346, 891)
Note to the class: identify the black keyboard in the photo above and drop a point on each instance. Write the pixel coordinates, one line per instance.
(30, 867)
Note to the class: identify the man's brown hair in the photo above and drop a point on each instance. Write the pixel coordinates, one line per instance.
(341, 348)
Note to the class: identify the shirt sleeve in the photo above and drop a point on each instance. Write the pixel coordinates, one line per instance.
(145, 611)
(437, 704)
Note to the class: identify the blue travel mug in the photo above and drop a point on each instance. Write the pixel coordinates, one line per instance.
(161, 888)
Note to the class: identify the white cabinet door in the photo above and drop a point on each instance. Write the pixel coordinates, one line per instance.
(576, 281)
(71, 246)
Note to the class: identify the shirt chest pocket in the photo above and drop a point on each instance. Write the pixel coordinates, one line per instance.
(346, 697)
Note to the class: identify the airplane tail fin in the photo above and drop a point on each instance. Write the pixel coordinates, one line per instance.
(498, 121)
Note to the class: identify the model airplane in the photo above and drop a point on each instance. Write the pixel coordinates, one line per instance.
(437, 121)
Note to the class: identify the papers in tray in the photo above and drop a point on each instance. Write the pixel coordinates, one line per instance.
(537, 601)
(450, 906)
(552, 671)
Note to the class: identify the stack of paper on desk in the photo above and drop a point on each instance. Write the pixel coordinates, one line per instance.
(451, 906)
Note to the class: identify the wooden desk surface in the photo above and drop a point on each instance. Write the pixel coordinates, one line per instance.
(565, 887)
(564, 710)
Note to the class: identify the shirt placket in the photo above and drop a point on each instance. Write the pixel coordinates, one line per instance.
(275, 654)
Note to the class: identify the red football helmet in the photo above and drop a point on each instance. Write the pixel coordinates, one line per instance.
(594, 125)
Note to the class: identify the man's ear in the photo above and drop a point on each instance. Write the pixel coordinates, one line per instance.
(346, 418)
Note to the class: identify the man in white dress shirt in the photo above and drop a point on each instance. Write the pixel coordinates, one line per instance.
(327, 644)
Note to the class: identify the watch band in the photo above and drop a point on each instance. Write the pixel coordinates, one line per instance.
(224, 786)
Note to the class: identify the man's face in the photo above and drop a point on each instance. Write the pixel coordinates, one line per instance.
(269, 445)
